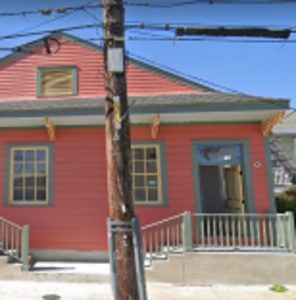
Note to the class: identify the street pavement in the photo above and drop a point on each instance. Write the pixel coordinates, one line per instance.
(30, 290)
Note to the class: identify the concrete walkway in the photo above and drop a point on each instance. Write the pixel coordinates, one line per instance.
(24, 290)
(91, 281)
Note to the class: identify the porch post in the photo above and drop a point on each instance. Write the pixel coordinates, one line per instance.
(25, 248)
(187, 231)
(291, 231)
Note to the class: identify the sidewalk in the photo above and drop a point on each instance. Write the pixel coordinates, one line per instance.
(24, 290)
(91, 281)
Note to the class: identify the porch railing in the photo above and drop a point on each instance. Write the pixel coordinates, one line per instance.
(14, 241)
(161, 238)
(218, 232)
(249, 232)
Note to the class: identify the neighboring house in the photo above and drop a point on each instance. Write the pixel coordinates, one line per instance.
(283, 150)
(209, 154)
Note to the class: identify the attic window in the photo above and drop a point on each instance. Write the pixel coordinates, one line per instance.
(57, 81)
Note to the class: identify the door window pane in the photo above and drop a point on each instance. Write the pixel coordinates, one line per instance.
(219, 154)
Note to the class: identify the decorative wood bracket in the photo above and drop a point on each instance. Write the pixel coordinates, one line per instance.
(155, 125)
(50, 128)
(270, 122)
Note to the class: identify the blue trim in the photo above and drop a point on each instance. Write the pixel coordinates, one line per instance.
(8, 148)
(161, 144)
(246, 168)
(270, 181)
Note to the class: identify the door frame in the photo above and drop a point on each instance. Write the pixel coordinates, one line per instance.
(246, 168)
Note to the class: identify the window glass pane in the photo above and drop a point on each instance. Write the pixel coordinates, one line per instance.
(151, 167)
(41, 155)
(140, 195)
(219, 153)
(18, 181)
(29, 155)
(139, 167)
(18, 155)
(41, 181)
(151, 153)
(139, 153)
(18, 194)
(41, 195)
(29, 181)
(41, 168)
(139, 181)
(152, 195)
(29, 168)
(29, 194)
(18, 168)
(152, 181)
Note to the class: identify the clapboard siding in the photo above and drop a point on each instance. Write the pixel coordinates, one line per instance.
(18, 77)
(77, 218)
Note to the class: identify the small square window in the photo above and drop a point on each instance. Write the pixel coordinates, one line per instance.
(56, 81)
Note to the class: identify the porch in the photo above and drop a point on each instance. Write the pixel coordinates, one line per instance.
(192, 232)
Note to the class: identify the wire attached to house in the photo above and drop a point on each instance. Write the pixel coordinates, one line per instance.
(200, 80)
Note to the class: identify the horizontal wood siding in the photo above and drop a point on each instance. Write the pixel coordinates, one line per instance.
(18, 77)
(77, 218)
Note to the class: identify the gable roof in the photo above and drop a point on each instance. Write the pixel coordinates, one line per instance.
(74, 39)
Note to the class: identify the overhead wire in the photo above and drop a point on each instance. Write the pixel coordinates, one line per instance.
(200, 80)
(168, 27)
(147, 26)
(49, 11)
(173, 4)
(46, 11)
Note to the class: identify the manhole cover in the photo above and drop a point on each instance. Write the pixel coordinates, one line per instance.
(51, 297)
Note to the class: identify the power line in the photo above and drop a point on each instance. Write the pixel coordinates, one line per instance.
(169, 27)
(200, 80)
(49, 31)
(220, 40)
(48, 11)
(172, 4)
(160, 38)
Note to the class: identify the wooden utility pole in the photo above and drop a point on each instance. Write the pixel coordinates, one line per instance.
(118, 148)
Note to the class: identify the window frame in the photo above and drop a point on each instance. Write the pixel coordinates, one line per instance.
(9, 174)
(161, 164)
(39, 71)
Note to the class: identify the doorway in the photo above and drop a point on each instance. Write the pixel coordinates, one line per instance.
(220, 178)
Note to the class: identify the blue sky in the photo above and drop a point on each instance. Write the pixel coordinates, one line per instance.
(262, 69)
